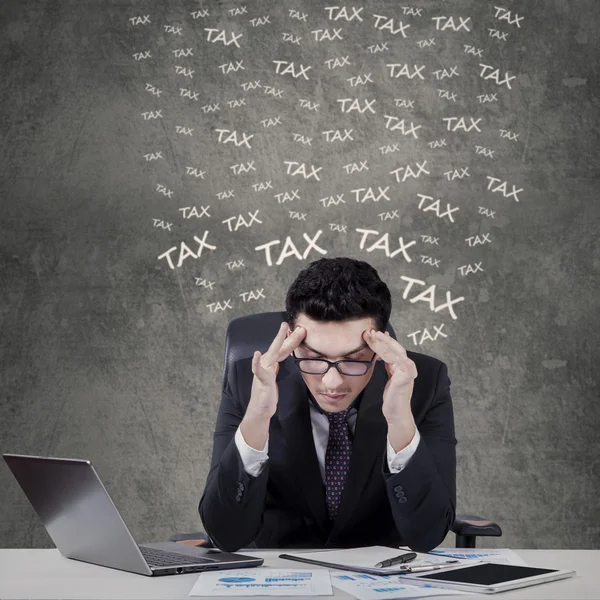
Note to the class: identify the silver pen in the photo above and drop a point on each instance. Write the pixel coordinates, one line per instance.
(420, 568)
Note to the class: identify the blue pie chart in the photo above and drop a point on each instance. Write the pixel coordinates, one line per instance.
(237, 579)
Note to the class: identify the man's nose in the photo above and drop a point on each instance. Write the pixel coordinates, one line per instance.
(332, 379)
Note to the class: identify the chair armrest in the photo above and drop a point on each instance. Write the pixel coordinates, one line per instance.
(197, 538)
(468, 527)
(474, 525)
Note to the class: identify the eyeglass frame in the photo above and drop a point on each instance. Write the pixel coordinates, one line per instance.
(335, 364)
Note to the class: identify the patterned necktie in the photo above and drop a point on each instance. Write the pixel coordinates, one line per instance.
(337, 460)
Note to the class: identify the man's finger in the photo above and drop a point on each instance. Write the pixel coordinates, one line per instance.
(292, 342)
(388, 341)
(260, 372)
(258, 368)
(272, 354)
(389, 349)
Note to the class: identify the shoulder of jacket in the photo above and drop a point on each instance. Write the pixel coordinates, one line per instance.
(424, 360)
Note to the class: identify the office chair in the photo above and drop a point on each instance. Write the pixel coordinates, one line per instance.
(256, 332)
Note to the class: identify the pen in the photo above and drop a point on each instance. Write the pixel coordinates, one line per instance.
(420, 568)
(402, 558)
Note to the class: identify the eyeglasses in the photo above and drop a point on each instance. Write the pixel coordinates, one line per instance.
(320, 366)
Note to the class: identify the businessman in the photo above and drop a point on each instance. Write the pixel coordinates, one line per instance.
(336, 436)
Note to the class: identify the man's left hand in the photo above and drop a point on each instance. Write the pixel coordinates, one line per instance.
(401, 372)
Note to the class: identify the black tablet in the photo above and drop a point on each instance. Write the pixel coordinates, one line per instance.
(489, 578)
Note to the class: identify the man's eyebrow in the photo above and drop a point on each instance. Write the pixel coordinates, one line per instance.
(361, 347)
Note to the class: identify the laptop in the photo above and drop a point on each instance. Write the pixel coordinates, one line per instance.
(84, 524)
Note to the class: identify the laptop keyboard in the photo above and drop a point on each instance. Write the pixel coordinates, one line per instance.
(162, 558)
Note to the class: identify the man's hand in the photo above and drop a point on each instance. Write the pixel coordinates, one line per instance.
(264, 394)
(401, 372)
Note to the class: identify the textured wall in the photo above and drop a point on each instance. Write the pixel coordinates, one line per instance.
(132, 224)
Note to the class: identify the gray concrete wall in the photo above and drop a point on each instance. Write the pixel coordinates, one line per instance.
(111, 353)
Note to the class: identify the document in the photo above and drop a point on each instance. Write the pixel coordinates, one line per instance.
(259, 581)
(372, 587)
(364, 559)
(495, 555)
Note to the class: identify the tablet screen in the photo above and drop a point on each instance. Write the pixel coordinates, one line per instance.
(488, 574)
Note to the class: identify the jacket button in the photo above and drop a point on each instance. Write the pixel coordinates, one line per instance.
(399, 494)
(402, 500)
(241, 486)
(398, 488)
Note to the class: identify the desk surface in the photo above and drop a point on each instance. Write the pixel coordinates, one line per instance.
(45, 574)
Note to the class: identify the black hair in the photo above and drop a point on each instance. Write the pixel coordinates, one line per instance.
(339, 289)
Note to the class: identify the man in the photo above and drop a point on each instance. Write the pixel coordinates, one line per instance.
(336, 436)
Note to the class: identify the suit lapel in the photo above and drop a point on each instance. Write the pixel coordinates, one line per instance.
(293, 412)
(367, 446)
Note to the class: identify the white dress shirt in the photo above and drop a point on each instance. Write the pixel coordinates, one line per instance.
(254, 460)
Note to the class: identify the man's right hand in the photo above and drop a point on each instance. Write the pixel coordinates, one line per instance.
(264, 394)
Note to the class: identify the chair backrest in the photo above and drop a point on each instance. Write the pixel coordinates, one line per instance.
(249, 333)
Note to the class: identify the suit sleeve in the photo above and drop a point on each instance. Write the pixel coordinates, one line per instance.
(231, 507)
(423, 495)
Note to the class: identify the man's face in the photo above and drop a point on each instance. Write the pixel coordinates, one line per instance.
(334, 341)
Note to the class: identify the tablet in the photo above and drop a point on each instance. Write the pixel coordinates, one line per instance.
(488, 578)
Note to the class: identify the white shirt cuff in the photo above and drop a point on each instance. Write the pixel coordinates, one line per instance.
(252, 459)
(398, 460)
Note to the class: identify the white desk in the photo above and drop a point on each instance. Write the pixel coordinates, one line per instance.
(45, 574)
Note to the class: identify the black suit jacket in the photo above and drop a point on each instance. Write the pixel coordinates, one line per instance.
(284, 507)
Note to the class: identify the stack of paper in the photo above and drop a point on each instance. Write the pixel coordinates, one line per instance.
(365, 559)
(370, 587)
(264, 582)
(495, 555)
(383, 584)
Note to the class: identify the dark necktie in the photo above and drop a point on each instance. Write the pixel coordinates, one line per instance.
(337, 460)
